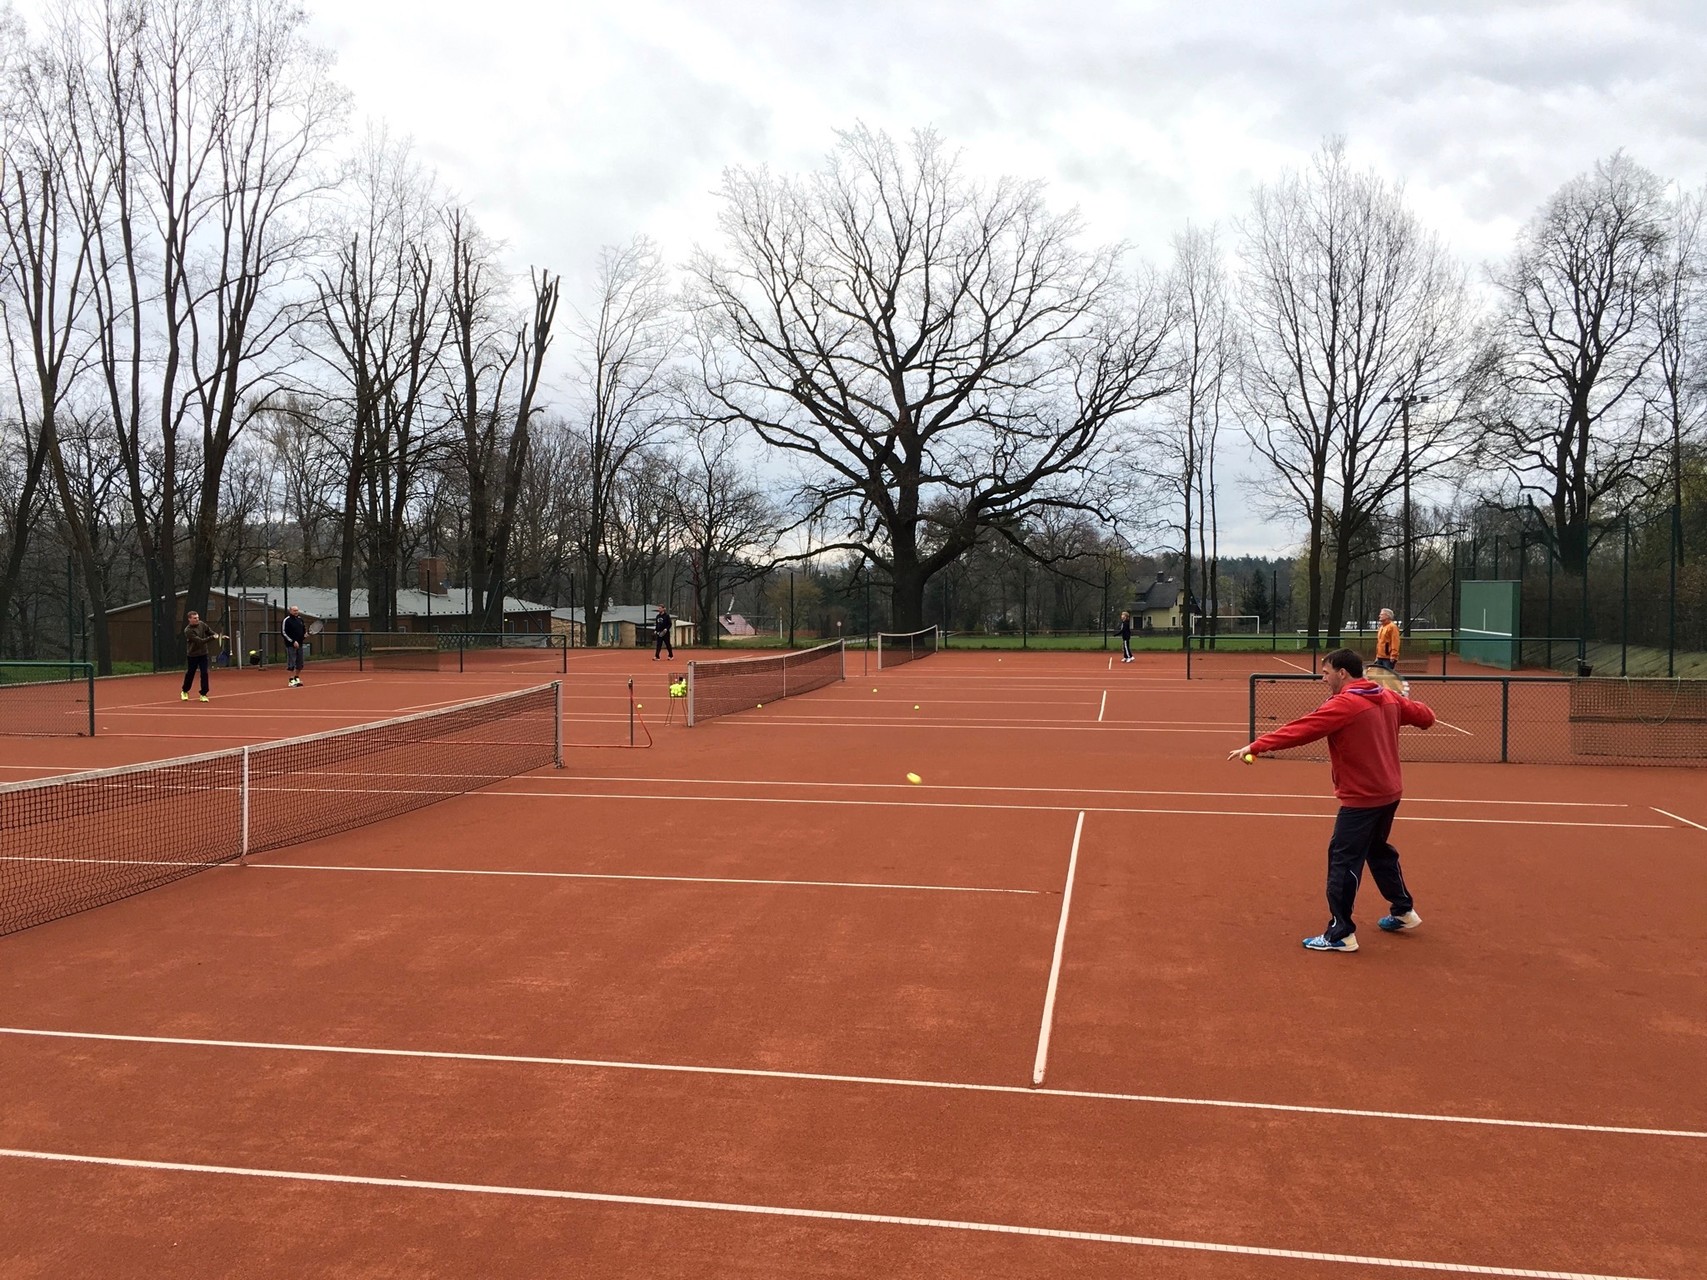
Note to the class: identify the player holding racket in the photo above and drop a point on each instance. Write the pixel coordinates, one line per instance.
(295, 632)
(197, 637)
(1361, 722)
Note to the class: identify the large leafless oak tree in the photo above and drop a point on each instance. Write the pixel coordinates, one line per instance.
(938, 358)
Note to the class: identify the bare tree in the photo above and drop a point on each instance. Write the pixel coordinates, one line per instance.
(1204, 351)
(624, 350)
(379, 327)
(938, 358)
(1678, 388)
(1353, 314)
(1572, 346)
(44, 267)
(197, 145)
(729, 526)
(492, 363)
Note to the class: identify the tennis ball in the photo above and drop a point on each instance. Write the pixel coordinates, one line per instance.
(915, 706)
(1249, 758)
(914, 779)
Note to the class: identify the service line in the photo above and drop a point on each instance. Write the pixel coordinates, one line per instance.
(1042, 1059)
(785, 1211)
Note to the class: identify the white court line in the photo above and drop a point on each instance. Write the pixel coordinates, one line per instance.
(1042, 1059)
(781, 1211)
(127, 708)
(1685, 821)
(491, 793)
(1104, 707)
(1057, 791)
(820, 1077)
(604, 875)
(1111, 662)
(969, 726)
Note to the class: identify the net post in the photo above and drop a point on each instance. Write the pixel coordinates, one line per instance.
(842, 653)
(1505, 721)
(631, 711)
(89, 679)
(690, 694)
(557, 722)
(1253, 737)
(243, 793)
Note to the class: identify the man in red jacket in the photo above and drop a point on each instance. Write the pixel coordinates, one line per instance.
(1361, 722)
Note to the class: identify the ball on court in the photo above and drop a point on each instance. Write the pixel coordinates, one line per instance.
(915, 706)
(914, 779)
(761, 706)
(1249, 758)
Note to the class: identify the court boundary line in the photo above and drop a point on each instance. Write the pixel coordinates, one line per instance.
(1071, 791)
(1042, 1059)
(494, 793)
(787, 1211)
(1685, 821)
(611, 875)
(888, 1082)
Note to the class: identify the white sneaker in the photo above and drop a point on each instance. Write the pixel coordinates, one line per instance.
(1398, 924)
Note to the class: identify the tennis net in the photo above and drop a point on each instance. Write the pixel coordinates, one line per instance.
(47, 699)
(1522, 719)
(71, 843)
(897, 647)
(741, 684)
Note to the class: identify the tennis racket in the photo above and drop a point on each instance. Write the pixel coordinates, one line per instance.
(316, 627)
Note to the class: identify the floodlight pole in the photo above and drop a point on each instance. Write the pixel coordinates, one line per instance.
(1407, 557)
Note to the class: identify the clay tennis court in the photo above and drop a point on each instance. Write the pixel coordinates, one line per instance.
(747, 1003)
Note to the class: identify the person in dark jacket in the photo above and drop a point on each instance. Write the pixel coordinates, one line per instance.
(1361, 722)
(661, 634)
(197, 637)
(1125, 636)
(295, 632)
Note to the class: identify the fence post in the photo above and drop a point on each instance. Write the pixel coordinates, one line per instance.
(1505, 721)
(1671, 595)
(1624, 608)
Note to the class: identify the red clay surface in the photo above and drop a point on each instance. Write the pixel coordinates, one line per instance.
(636, 1017)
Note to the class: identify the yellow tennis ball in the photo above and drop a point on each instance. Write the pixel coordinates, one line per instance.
(915, 706)
(914, 779)
(761, 706)
(1249, 758)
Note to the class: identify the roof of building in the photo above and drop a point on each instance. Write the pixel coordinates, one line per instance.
(1163, 593)
(635, 613)
(322, 602)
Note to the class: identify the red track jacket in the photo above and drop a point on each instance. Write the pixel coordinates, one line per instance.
(1361, 723)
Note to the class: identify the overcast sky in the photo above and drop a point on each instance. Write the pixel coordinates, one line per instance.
(567, 126)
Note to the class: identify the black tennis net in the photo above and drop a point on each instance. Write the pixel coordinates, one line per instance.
(1521, 719)
(47, 699)
(897, 647)
(743, 684)
(71, 843)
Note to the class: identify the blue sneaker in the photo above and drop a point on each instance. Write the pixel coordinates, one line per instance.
(1398, 924)
(1320, 943)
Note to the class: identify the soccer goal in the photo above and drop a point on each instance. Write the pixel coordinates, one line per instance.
(1241, 624)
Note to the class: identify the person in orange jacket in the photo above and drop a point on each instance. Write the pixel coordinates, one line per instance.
(1387, 642)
